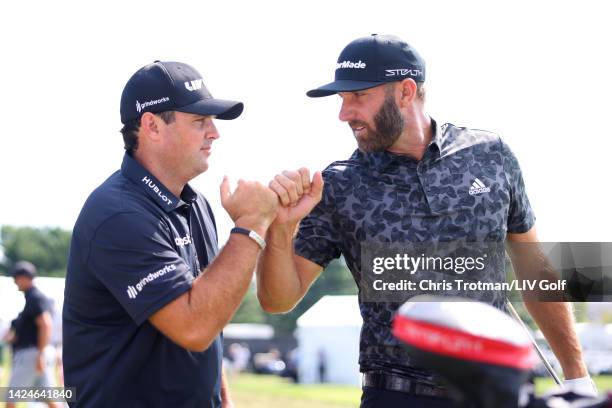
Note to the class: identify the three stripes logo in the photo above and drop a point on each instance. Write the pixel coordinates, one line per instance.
(478, 187)
(132, 293)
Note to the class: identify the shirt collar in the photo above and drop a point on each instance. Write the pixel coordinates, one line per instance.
(387, 160)
(438, 138)
(154, 188)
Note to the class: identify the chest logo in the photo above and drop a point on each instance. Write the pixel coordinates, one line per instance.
(181, 242)
(478, 187)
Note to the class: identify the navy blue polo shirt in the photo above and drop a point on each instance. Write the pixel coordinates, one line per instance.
(136, 247)
(26, 331)
(468, 186)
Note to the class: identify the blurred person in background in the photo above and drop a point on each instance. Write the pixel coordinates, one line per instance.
(33, 355)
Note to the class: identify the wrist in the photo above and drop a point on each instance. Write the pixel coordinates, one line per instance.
(281, 235)
(254, 236)
(253, 224)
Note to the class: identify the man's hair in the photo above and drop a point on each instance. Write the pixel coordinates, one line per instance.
(130, 131)
(24, 268)
(421, 91)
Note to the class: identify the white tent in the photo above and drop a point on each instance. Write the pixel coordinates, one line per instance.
(328, 332)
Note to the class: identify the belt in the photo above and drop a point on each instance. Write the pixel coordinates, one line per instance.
(396, 383)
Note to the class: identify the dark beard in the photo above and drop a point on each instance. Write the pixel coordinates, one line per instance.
(389, 125)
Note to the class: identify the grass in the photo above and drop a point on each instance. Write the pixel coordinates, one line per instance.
(259, 391)
(603, 383)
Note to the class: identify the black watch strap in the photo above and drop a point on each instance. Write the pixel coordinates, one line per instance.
(251, 234)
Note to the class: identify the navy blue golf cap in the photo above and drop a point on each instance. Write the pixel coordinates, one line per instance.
(164, 86)
(371, 61)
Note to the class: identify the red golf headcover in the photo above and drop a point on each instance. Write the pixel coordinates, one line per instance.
(466, 330)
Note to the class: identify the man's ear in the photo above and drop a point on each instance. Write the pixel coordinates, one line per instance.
(408, 91)
(149, 126)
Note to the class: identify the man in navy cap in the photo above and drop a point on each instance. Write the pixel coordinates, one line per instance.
(411, 180)
(33, 356)
(147, 290)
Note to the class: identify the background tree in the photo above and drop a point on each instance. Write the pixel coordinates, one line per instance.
(47, 248)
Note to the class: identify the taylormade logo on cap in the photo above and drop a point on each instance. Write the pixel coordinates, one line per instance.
(141, 106)
(350, 64)
(388, 58)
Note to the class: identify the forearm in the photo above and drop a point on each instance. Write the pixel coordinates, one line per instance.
(44, 332)
(279, 286)
(217, 293)
(556, 321)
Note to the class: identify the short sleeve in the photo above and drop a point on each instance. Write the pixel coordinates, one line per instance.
(520, 215)
(34, 307)
(318, 238)
(133, 256)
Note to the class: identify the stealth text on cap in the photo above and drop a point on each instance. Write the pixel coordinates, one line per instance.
(403, 71)
(149, 183)
(349, 64)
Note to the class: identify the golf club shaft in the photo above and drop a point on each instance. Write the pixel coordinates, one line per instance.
(549, 367)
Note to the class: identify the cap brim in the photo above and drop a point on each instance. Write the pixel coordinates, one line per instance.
(219, 108)
(341, 85)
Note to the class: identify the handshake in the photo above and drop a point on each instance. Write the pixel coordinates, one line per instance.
(288, 198)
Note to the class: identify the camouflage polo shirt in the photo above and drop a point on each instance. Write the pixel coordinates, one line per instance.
(468, 186)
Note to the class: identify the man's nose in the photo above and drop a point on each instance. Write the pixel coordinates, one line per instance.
(346, 111)
(211, 131)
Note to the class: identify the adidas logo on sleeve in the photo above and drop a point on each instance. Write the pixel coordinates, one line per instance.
(478, 187)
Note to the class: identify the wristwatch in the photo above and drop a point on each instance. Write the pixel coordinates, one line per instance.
(251, 234)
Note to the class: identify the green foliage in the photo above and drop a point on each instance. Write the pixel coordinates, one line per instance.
(47, 248)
